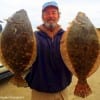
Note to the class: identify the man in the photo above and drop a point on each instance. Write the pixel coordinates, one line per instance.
(49, 77)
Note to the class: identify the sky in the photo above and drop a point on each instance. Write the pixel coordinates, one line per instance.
(68, 10)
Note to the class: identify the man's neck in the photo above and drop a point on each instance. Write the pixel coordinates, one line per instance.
(51, 32)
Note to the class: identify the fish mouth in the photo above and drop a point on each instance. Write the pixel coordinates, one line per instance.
(17, 17)
(82, 20)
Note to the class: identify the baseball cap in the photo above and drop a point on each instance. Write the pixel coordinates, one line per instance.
(51, 3)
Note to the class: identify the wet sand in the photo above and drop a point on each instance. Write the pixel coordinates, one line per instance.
(8, 91)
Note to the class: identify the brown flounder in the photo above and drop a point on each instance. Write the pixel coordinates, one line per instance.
(18, 45)
(80, 50)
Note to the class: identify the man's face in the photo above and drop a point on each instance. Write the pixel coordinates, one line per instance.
(50, 17)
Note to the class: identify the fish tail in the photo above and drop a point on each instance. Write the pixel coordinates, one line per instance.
(82, 89)
(18, 81)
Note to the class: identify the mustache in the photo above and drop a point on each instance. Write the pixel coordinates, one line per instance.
(51, 19)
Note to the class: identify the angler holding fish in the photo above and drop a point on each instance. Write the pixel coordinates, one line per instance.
(48, 76)
(46, 59)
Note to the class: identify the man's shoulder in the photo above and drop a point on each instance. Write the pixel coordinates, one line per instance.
(61, 30)
(36, 32)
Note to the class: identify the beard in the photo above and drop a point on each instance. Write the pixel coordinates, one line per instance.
(50, 25)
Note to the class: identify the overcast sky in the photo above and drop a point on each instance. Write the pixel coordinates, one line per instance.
(68, 9)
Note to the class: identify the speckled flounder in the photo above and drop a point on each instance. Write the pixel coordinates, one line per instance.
(80, 50)
(18, 44)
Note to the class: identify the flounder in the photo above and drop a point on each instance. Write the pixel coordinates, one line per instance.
(18, 45)
(80, 50)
